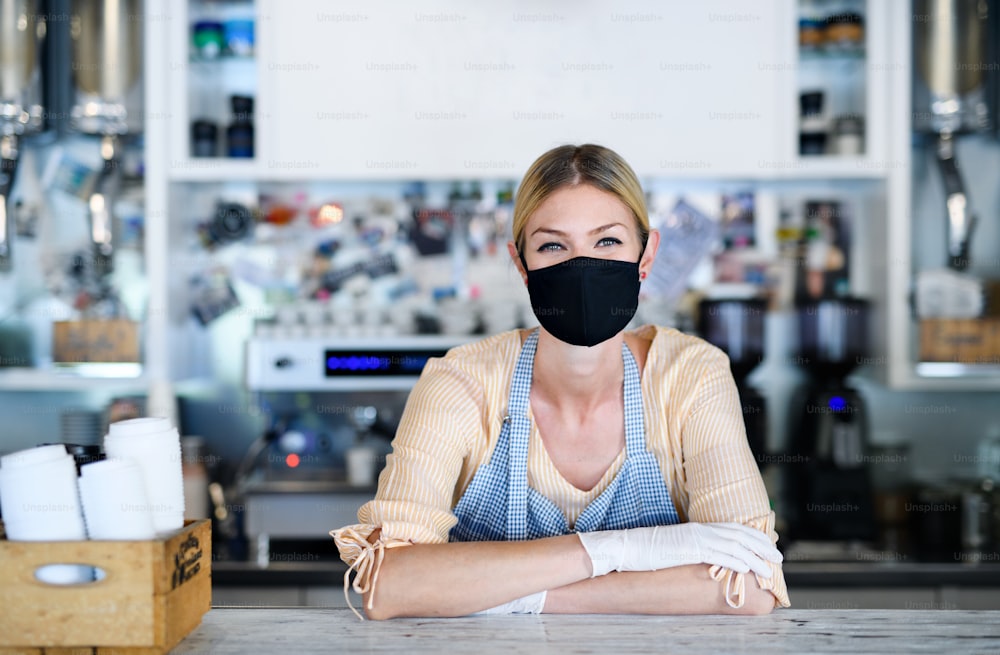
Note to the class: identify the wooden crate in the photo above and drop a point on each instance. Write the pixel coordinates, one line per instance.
(969, 341)
(111, 341)
(154, 593)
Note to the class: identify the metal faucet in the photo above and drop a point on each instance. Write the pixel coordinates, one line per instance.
(100, 205)
(8, 169)
(961, 221)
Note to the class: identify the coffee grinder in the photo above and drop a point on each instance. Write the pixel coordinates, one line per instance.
(830, 489)
(736, 325)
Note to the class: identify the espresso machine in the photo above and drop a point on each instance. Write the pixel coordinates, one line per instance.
(331, 405)
(107, 56)
(830, 495)
(21, 35)
(736, 325)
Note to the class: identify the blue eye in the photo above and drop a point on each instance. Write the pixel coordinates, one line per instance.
(609, 241)
(551, 245)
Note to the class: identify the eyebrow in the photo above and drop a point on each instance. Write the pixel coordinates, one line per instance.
(596, 230)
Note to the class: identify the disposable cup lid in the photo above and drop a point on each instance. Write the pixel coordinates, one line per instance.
(40, 471)
(138, 427)
(33, 456)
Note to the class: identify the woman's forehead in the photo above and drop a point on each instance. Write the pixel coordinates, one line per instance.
(580, 207)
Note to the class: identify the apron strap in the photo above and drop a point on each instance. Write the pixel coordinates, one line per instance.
(635, 431)
(518, 430)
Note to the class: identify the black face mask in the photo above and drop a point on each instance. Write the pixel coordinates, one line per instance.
(584, 301)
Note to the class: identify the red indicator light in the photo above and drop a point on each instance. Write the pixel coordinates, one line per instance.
(292, 460)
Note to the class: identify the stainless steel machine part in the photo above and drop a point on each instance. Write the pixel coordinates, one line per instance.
(106, 46)
(20, 35)
(961, 221)
(107, 59)
(951, 46)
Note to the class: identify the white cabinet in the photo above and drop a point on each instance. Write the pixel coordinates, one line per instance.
(446, 89)
(443, 89)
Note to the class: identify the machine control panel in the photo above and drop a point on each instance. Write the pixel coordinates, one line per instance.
(312, 364)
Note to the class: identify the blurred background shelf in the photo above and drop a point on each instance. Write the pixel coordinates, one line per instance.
(120, 380)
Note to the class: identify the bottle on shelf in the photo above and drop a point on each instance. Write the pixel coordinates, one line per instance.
(240, 133)
(204, 138)
(849, 135)
(207, 39)
(814, 126)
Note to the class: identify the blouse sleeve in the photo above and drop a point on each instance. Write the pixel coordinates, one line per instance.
(722, 478)
(416, 489)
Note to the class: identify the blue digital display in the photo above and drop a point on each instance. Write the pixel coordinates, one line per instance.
(355, 363)
(837, 404)
(374, 363)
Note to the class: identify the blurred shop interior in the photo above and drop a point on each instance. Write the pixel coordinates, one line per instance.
(208, 214)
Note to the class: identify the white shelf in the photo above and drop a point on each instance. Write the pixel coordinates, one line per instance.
(214, 169)
(29, 379)
(953, 376)
(842, 167)
(220, 169)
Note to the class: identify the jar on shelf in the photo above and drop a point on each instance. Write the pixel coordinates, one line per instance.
(812, 27)
(207, 39)
(204, 138)
(811, 33)
(849, 135)
(845, 31)
(238, 37)
(814, 126)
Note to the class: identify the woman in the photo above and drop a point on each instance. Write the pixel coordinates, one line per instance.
(576, 468)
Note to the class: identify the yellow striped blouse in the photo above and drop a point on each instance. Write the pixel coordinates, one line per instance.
(451, 423)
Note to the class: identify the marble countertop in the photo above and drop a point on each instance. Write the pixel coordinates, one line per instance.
(306, 631)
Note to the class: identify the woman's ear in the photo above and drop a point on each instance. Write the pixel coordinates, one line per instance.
(649, 254)
(512, 249)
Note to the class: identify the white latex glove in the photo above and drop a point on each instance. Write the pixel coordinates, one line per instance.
(730, 545)
(533, 604)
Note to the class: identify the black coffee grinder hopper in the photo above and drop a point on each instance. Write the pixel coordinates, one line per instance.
(736, 325)
(830, 491)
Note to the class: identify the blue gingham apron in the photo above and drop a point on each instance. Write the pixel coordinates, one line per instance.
(498, 504)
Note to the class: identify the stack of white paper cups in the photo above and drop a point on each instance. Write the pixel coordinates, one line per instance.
(154, 445)
(39, 501)
(114, 501)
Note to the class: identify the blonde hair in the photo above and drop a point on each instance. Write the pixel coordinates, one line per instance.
(570, 165)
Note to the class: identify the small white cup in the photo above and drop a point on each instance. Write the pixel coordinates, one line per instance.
(361, 466)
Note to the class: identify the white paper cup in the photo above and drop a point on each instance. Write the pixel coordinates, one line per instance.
(155, 446)
(115, 505)
(40, 501)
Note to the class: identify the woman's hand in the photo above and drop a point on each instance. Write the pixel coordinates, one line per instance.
(730, 545)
